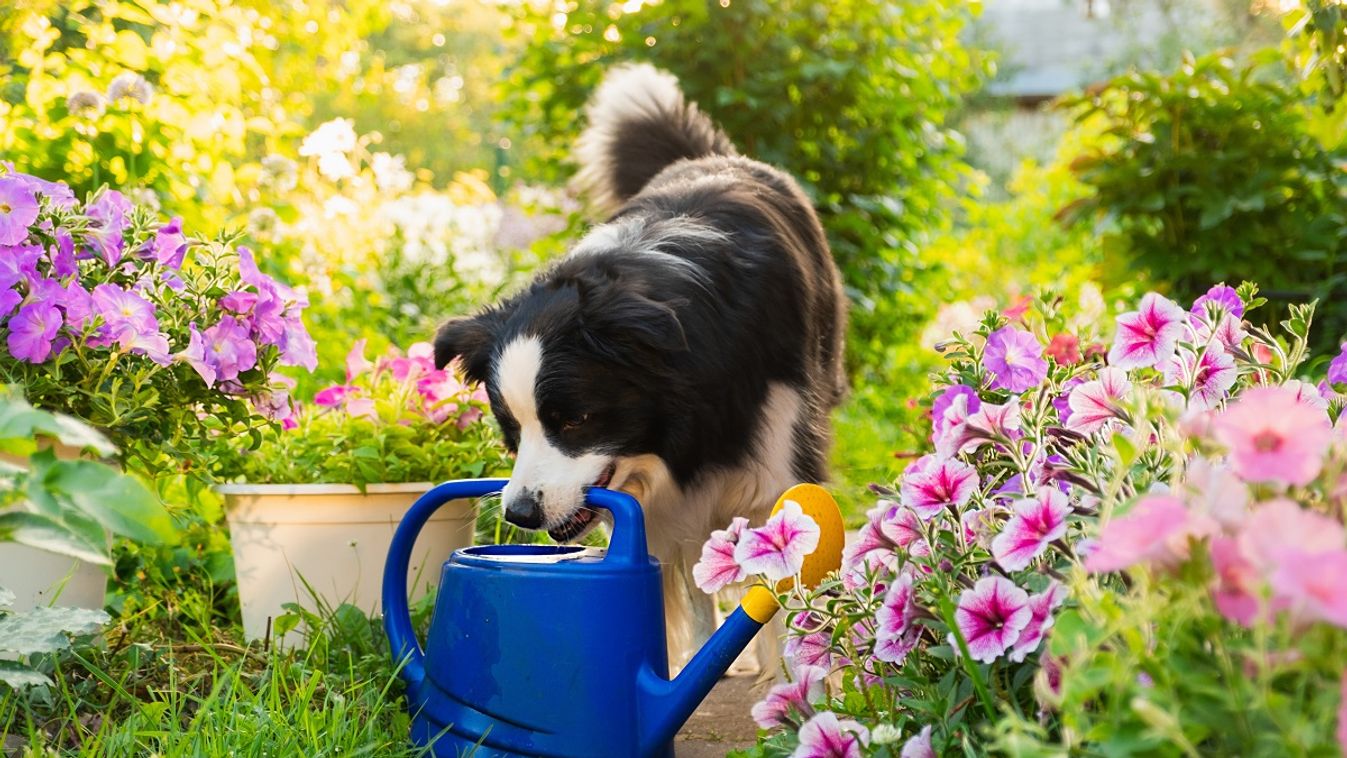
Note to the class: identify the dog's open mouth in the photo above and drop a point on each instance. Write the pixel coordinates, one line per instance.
(584, 516)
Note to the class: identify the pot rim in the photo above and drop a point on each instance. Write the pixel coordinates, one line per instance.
(323, 489)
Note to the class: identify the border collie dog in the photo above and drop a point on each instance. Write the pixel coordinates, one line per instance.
(687, 351)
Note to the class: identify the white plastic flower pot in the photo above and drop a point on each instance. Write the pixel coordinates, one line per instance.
(39, 578)
(333, 538)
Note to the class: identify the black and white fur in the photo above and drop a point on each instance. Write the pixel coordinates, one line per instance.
(687, 351)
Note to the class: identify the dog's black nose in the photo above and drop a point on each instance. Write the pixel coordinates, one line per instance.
(525, 511)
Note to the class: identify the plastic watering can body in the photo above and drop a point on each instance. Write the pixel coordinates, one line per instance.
(550, 650)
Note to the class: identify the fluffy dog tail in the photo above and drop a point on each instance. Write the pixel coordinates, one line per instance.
(639, 124)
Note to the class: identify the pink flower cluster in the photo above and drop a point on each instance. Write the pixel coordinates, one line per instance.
(1268, 555)
(776, 550)
(410, 382)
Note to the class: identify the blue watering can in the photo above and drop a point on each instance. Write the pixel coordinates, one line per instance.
(556, 650)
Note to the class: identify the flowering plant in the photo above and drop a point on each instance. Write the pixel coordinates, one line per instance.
(121, 320)
(396, 419)
(936, 626)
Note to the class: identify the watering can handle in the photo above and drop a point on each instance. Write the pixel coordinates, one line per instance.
(626, 546)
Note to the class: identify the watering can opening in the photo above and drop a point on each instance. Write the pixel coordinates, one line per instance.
(532, 553)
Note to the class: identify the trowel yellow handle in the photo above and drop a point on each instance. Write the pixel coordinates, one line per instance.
(759, 602)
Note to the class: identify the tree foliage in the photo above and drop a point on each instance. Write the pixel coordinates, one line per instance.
(851, 97)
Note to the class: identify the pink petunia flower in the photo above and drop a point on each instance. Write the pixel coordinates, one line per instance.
(18, 209)
(1220, 299)
(1097, 402)
(1156, 531)
(940, 484)
(1147, 335)
(824, 736)
(1273, 437)
(812, 649)
(1064, 349)
(1280, 528)
(919, 745)
(1041, 605)
(717, 567)
(1235, 591)
(1015, 360)
(1208, 375)
(991, 617)
(356, 362)
(777, 549)
(799, 696)
(1314, 584)
(895, 635)
(1037, 522)
(991, 423)
(1214, 490)
(334, 395)
(952, 407)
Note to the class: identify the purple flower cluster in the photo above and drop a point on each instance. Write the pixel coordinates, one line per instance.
(95, 278)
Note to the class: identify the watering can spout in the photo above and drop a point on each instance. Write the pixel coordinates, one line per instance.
(666, 705)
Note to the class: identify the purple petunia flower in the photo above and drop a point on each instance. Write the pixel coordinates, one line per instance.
(1015, 359)
(1337, 369)
(229, 348)
(169, 245)
(1219, 299)
(9, 299)
(109, 212)
(32, 330)
(991, 616)
(919, 745)
(62, 254)
(944, 411)
(992, 423)
(18, 263)
(57, 193)
(1036, 523)
(1147, 335)
(128, 320)
(276, 315)
(18, 209)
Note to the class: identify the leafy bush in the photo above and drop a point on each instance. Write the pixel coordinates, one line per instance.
(850, 97)
(1212, 172)
(124, 322)
(71, 507)
(393, 421)
(938, 620)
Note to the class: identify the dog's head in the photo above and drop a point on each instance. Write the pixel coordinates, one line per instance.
(573, 368)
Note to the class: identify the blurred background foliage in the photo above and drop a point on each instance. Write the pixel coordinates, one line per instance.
(405, 161)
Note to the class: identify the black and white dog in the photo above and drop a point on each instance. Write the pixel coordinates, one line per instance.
(688, 351)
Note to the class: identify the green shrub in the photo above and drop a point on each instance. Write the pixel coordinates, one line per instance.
(1212, 173)
(851, 97)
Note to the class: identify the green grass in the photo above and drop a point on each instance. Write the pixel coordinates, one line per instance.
(337, 695)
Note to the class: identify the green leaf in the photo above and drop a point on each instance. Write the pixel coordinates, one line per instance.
(45, 533)
(46, 630)
(18, 676)
(118, 501)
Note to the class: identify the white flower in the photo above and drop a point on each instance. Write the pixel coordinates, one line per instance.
(390, 173)
(132, 85)
(85, 104)
(335, 167)
(279, 172)
(885, 734)
(335, 136)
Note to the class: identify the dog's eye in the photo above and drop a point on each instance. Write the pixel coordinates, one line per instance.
(574, 422)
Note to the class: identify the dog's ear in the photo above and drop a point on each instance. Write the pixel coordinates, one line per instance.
(626, 326)
(471, 340)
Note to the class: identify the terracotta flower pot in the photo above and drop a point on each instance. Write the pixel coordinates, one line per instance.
(333, 537)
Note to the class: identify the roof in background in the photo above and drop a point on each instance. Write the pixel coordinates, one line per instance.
(1048, 47)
